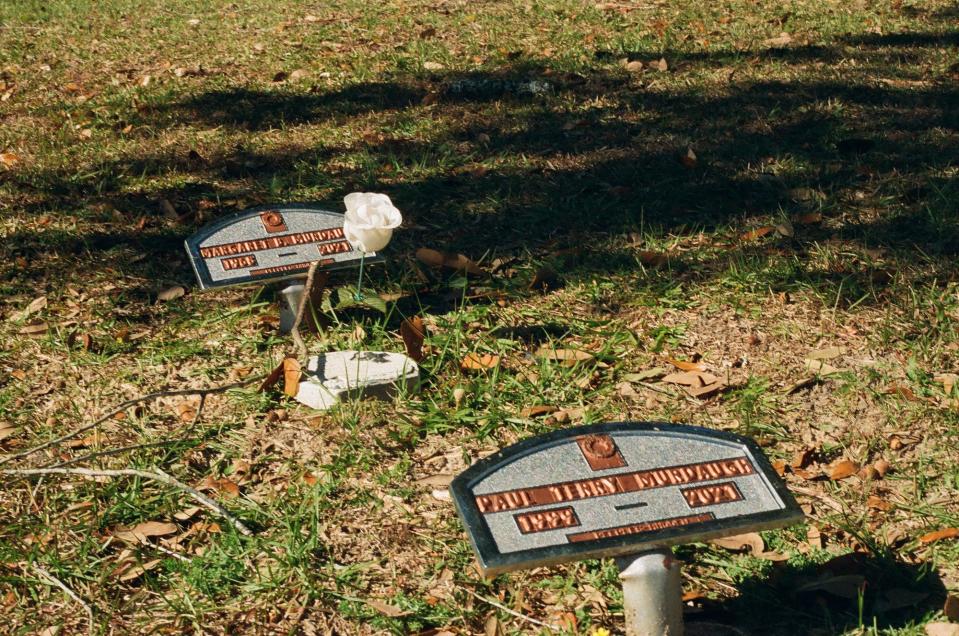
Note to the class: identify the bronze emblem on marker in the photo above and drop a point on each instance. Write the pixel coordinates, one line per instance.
(600, 451)
(273, 222)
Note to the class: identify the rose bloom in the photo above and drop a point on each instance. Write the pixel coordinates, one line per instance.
(370, 220)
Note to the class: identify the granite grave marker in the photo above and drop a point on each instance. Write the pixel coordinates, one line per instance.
(619, 490)
(269, 243)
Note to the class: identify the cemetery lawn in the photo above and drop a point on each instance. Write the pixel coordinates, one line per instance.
(762, 192)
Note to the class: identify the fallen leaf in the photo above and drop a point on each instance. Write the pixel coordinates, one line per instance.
(686, 366)
(942, 629)
(689, 158)
(143, 531)
(820, 367)
(298, 74)
(479, 362)
(651, 259)
(809, 218)
(171, 293)
(186, 410)
(842, 469)
(427, 33)
(759, 232)
(825, 354)
(779, 41)
(291, 376)
(224, 486)
(537, 411)
(843, 586)
(568, 357)
(546, 279)
(433, 66)
(939, 535)
(897, 598)
(951, 608)
(33, 329)
(882, 467)
(878, 503)
(6, 430)
(785, 229)
(648, 374)
(413, 332)
(660, 65)
(459, 262)
(441, 480)
(273, 378)
(139, 570)
(814, 537)
(386, 609)
(691, 378)
(8, 158)
(634, 66)
(35, 305)
(948, 381)
(83, 340)
(167, 211)
(802, 458)
(187, 513)
(750, 542)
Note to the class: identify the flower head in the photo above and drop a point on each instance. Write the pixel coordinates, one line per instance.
(370, 220)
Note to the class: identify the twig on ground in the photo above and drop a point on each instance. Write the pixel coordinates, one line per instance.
(124, 406)
(52, 580)
(304, 301)
(513, 612)
(156, 475)
(117, 451)
(823, 497)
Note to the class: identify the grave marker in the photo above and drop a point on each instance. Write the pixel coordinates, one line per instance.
(616, 490)
(269, 243)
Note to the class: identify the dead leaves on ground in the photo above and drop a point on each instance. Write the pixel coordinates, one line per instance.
(413, 332)
(479, 362)
(457, 262)
(751, 543)
(939, 535)
(141, 533)
(695, 380)
(566, 357)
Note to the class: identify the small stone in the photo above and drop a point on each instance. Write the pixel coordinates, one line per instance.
(337, 375)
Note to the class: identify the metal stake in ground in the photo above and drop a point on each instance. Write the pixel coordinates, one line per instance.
(628, 490)
(652, 593)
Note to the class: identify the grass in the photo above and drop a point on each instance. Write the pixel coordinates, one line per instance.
(843, 135)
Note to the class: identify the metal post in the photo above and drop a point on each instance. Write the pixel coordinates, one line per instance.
(652, 593)
(293, 295)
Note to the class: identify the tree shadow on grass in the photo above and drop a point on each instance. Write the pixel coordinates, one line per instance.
(527, 156)
(851, 591)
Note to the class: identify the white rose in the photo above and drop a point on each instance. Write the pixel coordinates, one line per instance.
(370, 220)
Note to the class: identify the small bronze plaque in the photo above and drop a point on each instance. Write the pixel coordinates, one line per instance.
(626, 487)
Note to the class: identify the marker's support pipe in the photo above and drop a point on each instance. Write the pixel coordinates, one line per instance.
(652, 593)
(293, 296)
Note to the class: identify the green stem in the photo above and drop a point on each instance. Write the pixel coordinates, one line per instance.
(358, 296)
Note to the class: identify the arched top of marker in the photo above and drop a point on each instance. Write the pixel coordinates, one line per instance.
(614, 489)
(269, 243)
